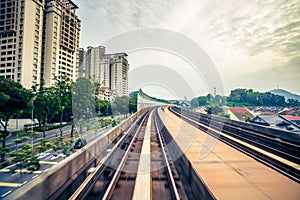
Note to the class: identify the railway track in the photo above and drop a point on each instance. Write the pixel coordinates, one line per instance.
(285, 149)
(138, 167)
(279, 146)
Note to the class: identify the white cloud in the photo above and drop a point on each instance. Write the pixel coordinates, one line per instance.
(244, 38)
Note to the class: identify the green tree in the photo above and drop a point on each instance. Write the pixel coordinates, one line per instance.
(63, 90)
(132, 104)
(214, 109)
(13, 99)
(199, 101)
(247, 118)
(293, 102)
(120, 105)
(25, 158)
(103, 107)
(83, 99)
(46, 105)
(244, 97)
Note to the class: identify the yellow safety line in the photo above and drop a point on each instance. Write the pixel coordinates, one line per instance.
(29, 171)
(23, 171)
(6, 184)
(4, 170)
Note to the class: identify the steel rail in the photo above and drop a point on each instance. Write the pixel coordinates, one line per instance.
(116, 176)
(169, 172)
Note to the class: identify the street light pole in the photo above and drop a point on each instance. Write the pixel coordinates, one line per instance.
(32, 126)
(32, 119)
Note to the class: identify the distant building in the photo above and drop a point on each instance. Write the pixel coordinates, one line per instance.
(294, 119)
(110, 70)
(274, 121)
(263, 110)
(119, 73)
(20, 124)
(106, 94)
(39, 39)
(239, 114)
(200, 110)
(286, 111)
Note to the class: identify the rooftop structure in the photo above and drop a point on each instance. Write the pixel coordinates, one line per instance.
(106, 94)
(239, 114)
(275, 121)
(294, 119)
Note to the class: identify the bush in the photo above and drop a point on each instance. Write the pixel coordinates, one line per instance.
(47, 128)
(24, 138)
(18, 140)
(49, 144)
(4, 164)
(41, 148)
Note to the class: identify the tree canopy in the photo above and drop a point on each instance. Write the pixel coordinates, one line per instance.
(83, 99)
(244, 97)
(13, 98)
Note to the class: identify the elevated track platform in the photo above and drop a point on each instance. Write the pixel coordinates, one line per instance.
(227, 172)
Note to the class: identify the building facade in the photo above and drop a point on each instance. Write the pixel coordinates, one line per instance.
(39, 39)
(119, 73)
(110, 70)
(106, 94)
(62, 30)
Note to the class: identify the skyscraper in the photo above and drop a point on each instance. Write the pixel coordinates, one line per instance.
(119, 73)
(38, 39)
(61, 39)
(110, 70)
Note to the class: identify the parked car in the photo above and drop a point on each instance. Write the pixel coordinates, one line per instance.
(79, 144)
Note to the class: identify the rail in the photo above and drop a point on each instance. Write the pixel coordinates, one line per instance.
(169, 172)
(116, 176)
(86, 186)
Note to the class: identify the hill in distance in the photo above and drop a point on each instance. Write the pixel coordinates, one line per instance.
(286, 94)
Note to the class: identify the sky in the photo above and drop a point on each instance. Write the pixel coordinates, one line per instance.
(252, 44)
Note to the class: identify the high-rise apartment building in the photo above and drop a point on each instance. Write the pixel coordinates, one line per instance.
(119, 73)
(61, 38)
(39, 39)
(110, 70)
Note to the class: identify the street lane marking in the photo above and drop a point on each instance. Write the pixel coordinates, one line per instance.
(3, 195)
(35, 176)
(7, 184)
(48, 162)
(44, 155)
(15, 174)
(24, 183)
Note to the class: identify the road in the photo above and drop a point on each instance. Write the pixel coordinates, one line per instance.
(11, 181)
(50, 135)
